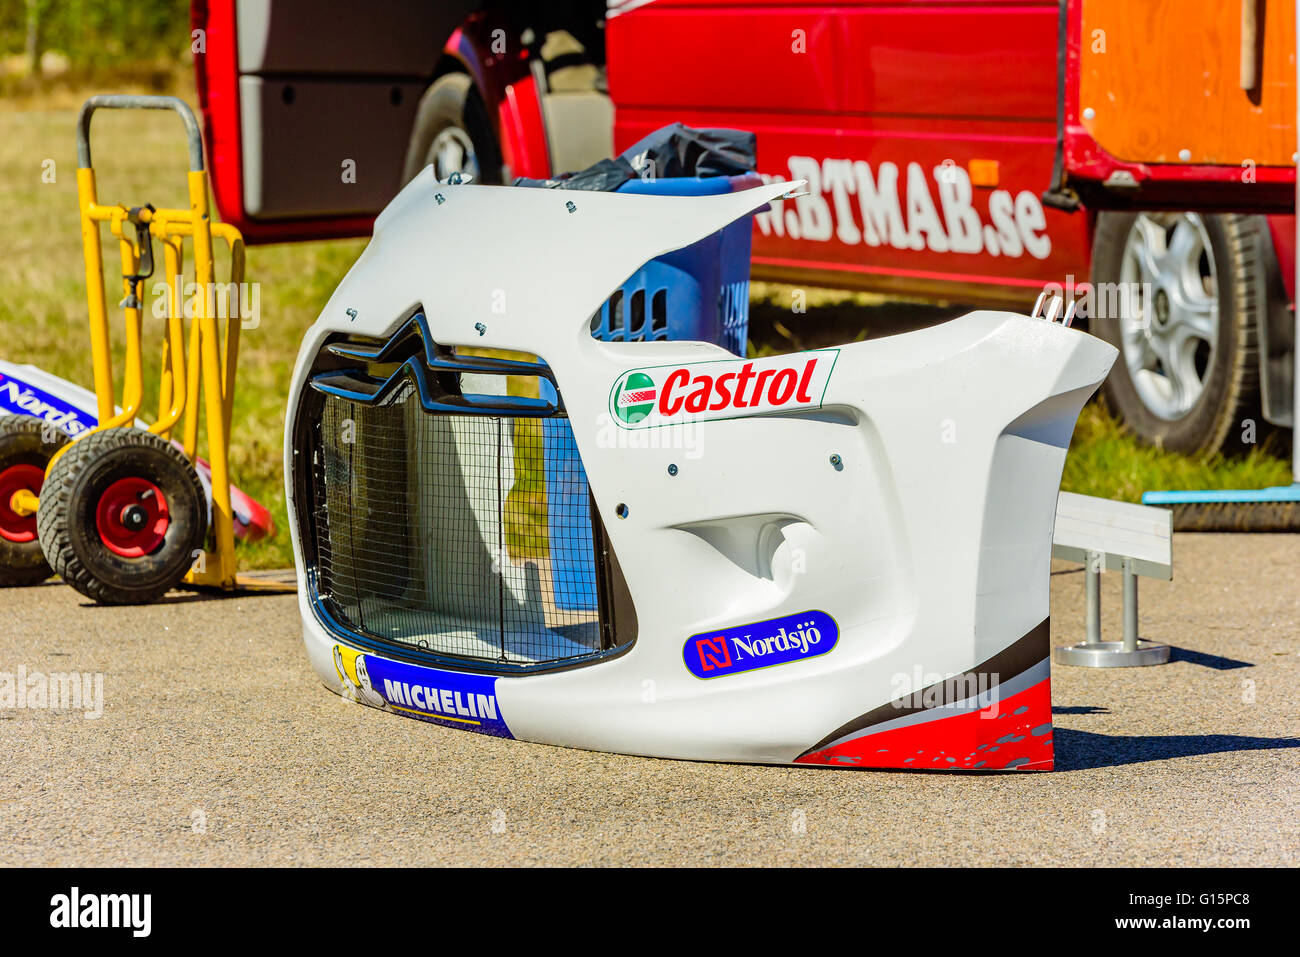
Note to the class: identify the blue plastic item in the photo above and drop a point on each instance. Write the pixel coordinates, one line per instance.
(1276, 493)
(700, 293)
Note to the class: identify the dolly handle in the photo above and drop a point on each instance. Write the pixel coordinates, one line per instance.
(127, 101)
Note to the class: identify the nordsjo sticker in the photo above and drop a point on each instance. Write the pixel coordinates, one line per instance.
(722, 389)
(763, 644)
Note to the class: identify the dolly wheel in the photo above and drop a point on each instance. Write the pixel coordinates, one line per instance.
(26, 446)
(121, 516)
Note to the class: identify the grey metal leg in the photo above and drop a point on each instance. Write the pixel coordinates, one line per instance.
(1092, 597)
(1095, 653)
(1130, 606)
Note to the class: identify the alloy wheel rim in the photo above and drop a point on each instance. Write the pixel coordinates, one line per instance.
(1170, 330)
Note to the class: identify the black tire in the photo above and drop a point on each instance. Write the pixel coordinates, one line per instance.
(76, 500)
(452, 103)
(26, 444)
(1228, 369)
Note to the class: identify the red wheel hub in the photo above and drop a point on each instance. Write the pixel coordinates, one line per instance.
(132, 517)
(16, 478)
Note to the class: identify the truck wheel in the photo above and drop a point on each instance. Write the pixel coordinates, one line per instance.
(121, 516)
(1178, 295)
(453, 133)
(26, 446)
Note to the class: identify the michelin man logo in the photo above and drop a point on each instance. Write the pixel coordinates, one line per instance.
(355, 678)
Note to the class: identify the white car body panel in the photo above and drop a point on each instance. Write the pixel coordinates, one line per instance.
(929, 545)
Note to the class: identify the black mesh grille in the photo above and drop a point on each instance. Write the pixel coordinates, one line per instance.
(436, 531)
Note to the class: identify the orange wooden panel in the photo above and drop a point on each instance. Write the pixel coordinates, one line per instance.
(1160, 81)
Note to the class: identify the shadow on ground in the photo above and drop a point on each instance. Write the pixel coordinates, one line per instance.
(1079, 709)
(1082, 750)
(191, 597)
(1217, 662)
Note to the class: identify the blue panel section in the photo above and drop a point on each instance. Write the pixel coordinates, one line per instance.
(450, 698)
(568, 508)
(22, 398)
(1277, 493)
(763, 644)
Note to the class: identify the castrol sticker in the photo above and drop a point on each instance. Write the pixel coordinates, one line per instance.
(724, 389)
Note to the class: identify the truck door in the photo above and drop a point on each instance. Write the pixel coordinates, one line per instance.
(308, 105)
(926, 132)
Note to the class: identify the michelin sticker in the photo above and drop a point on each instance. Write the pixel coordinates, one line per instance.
(777, 641)
(722, 389)
(450, 698)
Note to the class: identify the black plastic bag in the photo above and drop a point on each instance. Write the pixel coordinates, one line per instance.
(605, 176)
(680, 150)
(670, 151)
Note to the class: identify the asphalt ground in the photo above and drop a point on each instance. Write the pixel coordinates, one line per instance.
(217, 745)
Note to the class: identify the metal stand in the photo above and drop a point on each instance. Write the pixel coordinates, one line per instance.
(1132, 652)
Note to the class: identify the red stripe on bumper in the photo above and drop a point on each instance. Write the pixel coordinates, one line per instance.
(1012, 733)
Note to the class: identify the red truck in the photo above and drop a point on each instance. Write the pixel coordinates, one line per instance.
(931, 133)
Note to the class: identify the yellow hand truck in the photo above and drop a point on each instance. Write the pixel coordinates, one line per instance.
(122, 515)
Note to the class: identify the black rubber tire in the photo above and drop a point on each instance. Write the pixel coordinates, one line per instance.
(26, 440)
(1217, 421)
(452, 100)
(66, 519)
